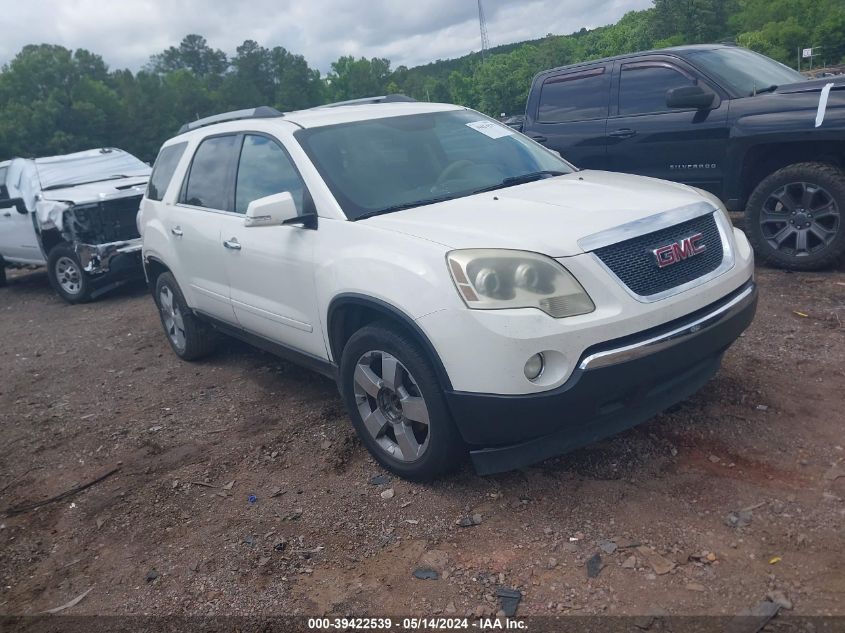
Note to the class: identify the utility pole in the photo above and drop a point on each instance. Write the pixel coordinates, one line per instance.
(482, 25)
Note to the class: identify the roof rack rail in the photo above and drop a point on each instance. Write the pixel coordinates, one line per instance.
(261, 112)
(394, 98)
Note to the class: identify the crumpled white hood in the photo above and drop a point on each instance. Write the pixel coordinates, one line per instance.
(548, 216)
(97, 191)
(53, 203)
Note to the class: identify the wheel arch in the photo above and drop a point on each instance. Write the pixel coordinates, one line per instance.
(349, 312)
(49, 239)
(760, 161)
(153, 269)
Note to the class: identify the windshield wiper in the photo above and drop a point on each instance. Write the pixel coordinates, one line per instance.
(522, 179)
(507, 182)
(404, 205)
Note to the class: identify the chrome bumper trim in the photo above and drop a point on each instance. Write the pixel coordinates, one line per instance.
(674, 337)
(96, 258)
(644, 226)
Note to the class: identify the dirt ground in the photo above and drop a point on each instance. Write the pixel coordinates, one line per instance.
(86, 389)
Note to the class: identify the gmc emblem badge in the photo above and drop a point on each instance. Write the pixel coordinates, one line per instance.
(680, 250)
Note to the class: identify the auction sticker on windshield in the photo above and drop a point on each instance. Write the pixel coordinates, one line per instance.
(490, 129)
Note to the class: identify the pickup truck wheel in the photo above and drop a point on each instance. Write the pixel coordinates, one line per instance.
(396, 404)
(794, 218)
(66, 275)
(189, 337)
(2, 273)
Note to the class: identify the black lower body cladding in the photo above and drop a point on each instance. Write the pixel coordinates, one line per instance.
(508, 432)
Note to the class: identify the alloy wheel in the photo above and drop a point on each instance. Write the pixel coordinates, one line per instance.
(171, 317)
(391, 406)
(799, 218)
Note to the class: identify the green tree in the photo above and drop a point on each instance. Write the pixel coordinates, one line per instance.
(352, 78)
(695, 21)
(296, 85)
(194, 54)
(250, 81)
(55, 100)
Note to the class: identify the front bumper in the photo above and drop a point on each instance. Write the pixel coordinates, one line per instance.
(615, 386)
(115, 257)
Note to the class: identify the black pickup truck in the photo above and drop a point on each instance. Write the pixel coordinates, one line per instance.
(754, 132)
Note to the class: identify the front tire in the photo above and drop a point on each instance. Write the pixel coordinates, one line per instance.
(794, 219)
(396, 404)
(66, 275)
(190, 338)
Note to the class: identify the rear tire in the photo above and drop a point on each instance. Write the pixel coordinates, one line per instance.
(66, 275)
(190, 338)
(2, 273)
(397, 405)
(795, 219)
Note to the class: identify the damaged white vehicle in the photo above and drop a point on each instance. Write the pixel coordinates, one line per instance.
(74, 214)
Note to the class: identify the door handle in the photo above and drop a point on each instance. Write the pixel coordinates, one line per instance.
(539, 138)
(8, 214)
(177, 231)
(232, 244)
(625, 132)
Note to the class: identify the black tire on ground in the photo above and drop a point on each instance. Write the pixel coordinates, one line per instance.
(445, 450)
(2, 272)
(66, 275)
(795, 218)
(189, 337)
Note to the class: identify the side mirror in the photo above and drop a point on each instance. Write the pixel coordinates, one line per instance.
(274, 210)
(689, 97)
(18, 203)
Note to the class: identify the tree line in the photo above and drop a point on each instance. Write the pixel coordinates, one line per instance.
(54, 100)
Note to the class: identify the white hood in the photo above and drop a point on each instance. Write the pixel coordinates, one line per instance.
(548, 216)
(51, 206)
(98, 191)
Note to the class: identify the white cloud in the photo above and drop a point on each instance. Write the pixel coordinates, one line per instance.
(126, 33)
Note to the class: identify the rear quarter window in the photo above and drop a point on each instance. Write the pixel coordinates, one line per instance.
(163, 170)
(575, 96)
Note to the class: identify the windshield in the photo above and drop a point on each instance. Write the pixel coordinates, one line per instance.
(744, 71)
(383, 165)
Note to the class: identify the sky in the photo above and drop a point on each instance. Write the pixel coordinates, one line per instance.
(410, 32)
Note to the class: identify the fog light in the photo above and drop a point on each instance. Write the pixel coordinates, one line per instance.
(534, 367)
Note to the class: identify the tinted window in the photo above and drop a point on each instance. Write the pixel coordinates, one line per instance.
(643, 88)
(208, 182)
(265, 169)
(163, 170)
(574, 97)
(4, 193)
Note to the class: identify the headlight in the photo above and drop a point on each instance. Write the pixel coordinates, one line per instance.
(492, 279)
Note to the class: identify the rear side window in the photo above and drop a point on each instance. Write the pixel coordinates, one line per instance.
(208, 181)
(163, 170)
(265, 169)
(575, 96)
(643, 87)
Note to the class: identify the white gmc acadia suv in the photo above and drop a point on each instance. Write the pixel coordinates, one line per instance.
(467, 288)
